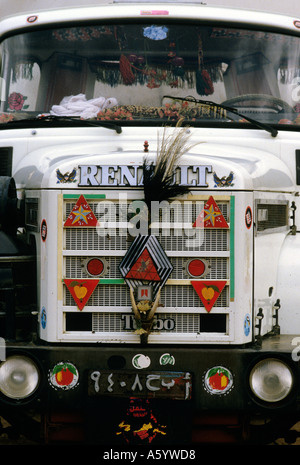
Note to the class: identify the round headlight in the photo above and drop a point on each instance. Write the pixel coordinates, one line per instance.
(271, 380)
(19, 377)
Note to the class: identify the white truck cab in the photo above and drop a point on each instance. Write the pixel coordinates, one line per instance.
(149, 199)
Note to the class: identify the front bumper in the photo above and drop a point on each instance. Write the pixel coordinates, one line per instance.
(134, 388)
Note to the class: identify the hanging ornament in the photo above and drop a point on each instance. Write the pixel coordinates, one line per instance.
(156, 32)
(125, 70)
(132, 58)
(178, 69)
(204, 85)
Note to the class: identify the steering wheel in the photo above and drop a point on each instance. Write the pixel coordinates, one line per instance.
(272, 102)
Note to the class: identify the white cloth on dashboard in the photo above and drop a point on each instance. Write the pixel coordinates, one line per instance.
(78, 105)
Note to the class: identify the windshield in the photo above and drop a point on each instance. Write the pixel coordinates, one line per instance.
(144, 72)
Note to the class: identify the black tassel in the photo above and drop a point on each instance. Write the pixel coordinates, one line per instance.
(158, 186)
(159, 176)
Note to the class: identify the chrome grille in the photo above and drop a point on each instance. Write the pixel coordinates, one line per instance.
(179, 301)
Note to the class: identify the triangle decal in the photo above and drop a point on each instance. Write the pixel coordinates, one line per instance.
(81, 290)
(208, 292)
(143, 268)
(211, 216)
(81, 215)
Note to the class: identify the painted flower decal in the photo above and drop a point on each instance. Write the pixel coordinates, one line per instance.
(156, 32)
(16, 101)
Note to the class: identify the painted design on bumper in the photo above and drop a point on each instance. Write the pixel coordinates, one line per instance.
(64, 375)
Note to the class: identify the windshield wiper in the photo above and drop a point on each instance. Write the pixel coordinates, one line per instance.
(255, 123)
(74, 120)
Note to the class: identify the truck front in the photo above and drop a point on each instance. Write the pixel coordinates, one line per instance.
(150, 159)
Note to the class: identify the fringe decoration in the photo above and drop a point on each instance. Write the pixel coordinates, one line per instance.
(125, 70)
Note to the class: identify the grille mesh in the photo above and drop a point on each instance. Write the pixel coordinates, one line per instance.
(271, 216)
(218, 267)
(111, 322)
(110, 239)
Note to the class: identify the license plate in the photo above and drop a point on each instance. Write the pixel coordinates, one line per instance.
(155, 384)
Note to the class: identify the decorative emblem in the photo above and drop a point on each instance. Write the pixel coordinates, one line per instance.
(140, 361)
(67, 177)
(81, 215)
(247, 325)
(208, 291)
(211, 216)
(145, 260)
(139, 426)
(44, 230)
(143, 268)
(248, 217)
(167, 359)
(225, 181)
(81, 290)
(64, 375)
(218, 380)
(43, 318)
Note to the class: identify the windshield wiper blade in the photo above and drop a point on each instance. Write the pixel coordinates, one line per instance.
(65, 119)
(255, 123)
(88, 122)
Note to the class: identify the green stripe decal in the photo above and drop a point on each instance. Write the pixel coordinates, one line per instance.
(111, 281)
(86, 196)
(232, 210)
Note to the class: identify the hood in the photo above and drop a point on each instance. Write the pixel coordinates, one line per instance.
(206, 165)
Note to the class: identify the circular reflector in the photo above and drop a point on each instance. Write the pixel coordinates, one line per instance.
(271, 380)
(95, 266)
(19, 377)
(196, 267)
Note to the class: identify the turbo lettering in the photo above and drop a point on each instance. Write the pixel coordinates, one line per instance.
(166, 324)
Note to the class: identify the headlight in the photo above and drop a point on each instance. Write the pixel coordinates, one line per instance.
(271, 380)
(19, 377)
